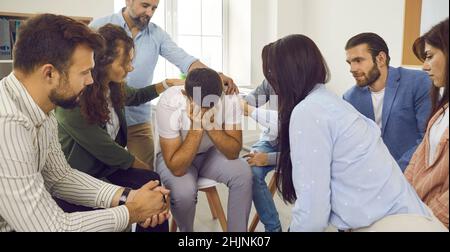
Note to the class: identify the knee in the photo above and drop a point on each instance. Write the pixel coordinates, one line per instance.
(242, 171)
(146, 176)
(258, 174)
(184, 196)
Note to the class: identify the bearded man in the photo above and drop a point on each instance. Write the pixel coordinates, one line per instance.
(397, 99)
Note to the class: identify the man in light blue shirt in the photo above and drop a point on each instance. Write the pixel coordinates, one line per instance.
(150, 42)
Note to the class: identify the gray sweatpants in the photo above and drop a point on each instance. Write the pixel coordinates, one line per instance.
(236, 174)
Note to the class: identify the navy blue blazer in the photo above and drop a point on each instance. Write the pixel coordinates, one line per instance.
(406, 110)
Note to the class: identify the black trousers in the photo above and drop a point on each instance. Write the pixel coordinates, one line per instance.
(133, 178)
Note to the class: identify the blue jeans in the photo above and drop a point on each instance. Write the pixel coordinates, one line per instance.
(262, 197)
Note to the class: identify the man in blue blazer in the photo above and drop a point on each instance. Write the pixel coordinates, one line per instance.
(397, 99)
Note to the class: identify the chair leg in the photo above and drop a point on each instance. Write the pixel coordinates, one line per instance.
(211, 193)
(211, 205)
(254, 223)
(272, 188)
(273, 184)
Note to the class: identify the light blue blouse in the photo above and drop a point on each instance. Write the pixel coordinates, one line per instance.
(343, 173)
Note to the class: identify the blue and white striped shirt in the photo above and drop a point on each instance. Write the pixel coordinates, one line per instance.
(33, 169)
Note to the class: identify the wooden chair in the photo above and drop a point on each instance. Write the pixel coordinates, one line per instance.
(208, 186)
(272, 189)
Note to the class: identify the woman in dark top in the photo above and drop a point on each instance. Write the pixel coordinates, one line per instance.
(93, 136)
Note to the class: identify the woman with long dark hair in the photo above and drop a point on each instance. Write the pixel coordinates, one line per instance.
(94, 135)
(428, 169)
(333, 164)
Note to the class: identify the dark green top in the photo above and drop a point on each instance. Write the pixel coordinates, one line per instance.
(88, 147)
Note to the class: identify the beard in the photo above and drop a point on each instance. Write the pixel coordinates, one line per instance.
(373, 75)
(141, 22)
(58, 98)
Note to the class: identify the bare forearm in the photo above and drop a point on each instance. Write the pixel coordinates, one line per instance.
(226, 144)
(159, 88)
(181, 160)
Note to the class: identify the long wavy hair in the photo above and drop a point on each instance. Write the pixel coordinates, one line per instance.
(438, 38)
(293, 66)
(94, 101)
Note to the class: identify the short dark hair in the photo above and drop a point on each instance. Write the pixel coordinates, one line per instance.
(375, 43)
(208, 80)
(51, 39)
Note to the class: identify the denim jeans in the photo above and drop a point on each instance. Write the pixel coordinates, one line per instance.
(262, 197)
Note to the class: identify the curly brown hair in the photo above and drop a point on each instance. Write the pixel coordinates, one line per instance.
(94, 101)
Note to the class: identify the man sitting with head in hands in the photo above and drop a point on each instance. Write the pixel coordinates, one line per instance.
(200, 136)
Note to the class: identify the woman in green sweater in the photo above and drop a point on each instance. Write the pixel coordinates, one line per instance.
(93, 136)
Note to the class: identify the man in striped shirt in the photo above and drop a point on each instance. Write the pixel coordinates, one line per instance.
(53, 59)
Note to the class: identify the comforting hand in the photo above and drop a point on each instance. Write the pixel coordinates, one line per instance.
(175, 82)
(229, 84)
(257, 159)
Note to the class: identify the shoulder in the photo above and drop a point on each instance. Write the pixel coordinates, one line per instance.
(172, 98)
(157, 31)
(69, 116)
(315, 105)
(99, 22)
(411, 75)
(11, 116)
(352, 93)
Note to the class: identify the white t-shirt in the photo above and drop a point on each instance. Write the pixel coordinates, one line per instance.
(378, 100)
(113, 125)
(436, 132)
(173, 121)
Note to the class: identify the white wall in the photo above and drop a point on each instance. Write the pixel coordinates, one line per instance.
(239, 41)
(433, 12)
(290, 17)
(331, 23)
(264, 31)
(252, 25)
(84, 8)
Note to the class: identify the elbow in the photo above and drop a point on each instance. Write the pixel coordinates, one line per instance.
(232, 156)
(177, 171)
(179, 174)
